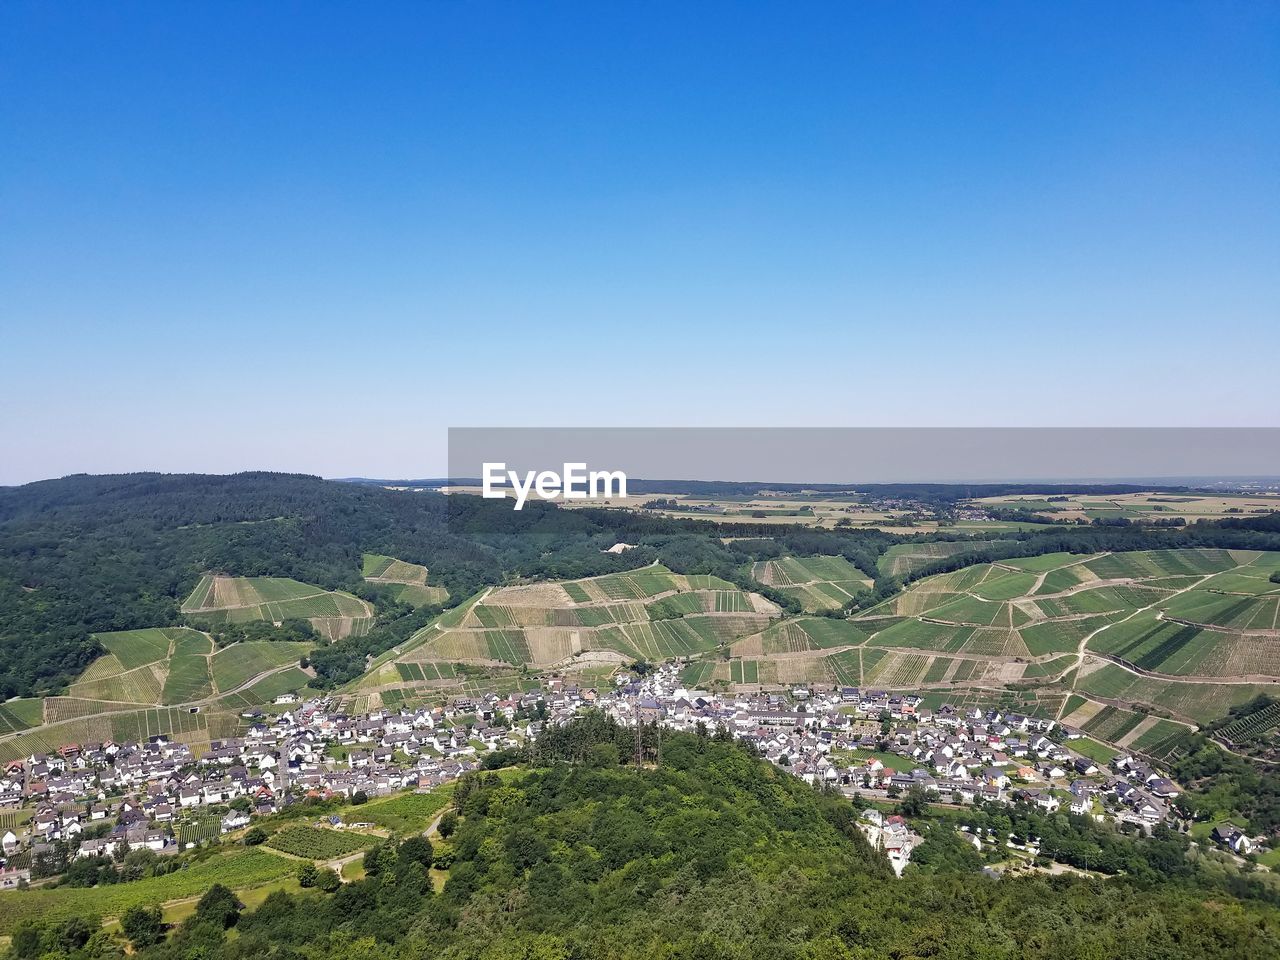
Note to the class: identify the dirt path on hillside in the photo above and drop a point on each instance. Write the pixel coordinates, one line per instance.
(1137, 671)
(1082, 647)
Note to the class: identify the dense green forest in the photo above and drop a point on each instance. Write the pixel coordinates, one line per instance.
(87, 554)
(711, 854)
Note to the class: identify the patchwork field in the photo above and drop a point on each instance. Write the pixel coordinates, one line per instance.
(1189, 634)
(1181, 613)
(162, 681)
(1140, 506)
(334, 614)
(179, 723)
(904, 558)
(138, 665)
(406, 582)
(1024, 625)
(818, 582)
(646, 614)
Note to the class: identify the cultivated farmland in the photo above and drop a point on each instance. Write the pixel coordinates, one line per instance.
(650, 613)
(238, 869)
(334, 614)
(318, 843)
(406, 582)
(818, 582)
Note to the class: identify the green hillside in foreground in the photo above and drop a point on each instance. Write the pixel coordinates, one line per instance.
(711, 854)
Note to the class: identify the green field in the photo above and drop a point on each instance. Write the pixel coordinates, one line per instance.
(1112, 723)
(188, 679)
(240, 662)
(1098, 752)
(238, 868)
(402, 581)
(244, 599)
(19, 714)
(1197, 702)
(197, 829)
(289, 680)
(406, 812)
(697, 675)
(420, 672)
(134, 648)
(318, 843)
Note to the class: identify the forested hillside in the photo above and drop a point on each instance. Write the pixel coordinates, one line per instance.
(89, 554)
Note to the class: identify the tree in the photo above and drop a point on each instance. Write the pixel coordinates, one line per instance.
(381, 859)
(602, 755)
(255, 836)
(144, 926)
(416, 850)
(358, 798)
(327, 880)
(219, 906)
(914, 804)
(307, 875)
(448, 823)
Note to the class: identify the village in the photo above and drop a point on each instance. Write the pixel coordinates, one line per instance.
(91, 800)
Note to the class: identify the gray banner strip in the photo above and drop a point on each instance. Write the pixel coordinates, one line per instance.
(852, 455)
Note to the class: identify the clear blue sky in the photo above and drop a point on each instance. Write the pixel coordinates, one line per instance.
(312, 236)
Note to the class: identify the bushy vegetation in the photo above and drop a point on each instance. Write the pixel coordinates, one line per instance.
(1222, 785)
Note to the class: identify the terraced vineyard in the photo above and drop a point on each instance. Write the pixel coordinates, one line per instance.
(817, 583)
(1153, 643)
(1253, 726)
(127, 723)
(406, 582)
(334, 614)
(645, 614)
(168, 681)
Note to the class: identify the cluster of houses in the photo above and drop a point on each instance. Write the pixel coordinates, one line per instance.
(101, 799)
(884, 744)
(97, 799)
